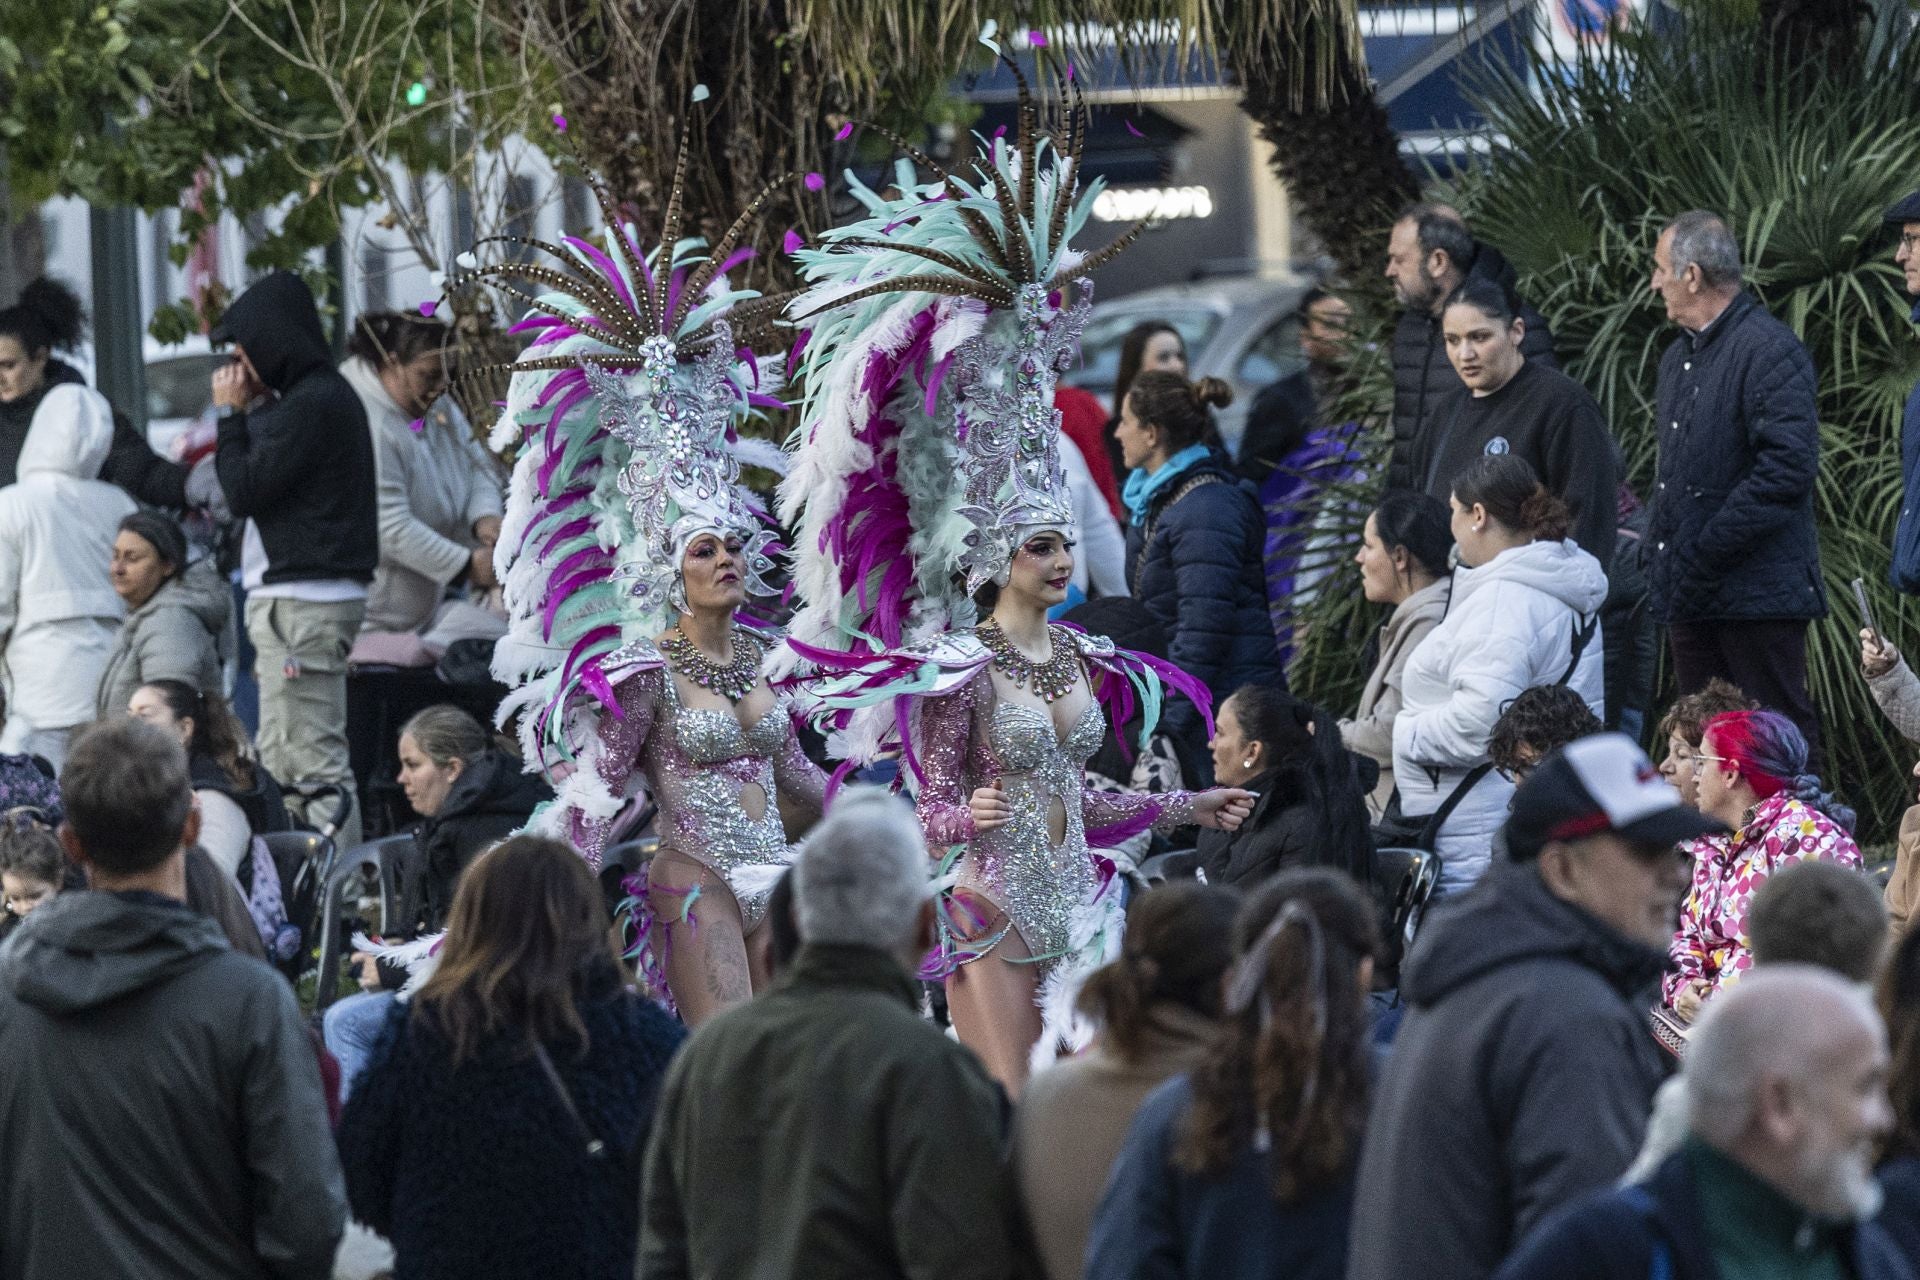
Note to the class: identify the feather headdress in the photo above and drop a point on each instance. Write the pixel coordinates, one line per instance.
(624, 412)
(934, 332)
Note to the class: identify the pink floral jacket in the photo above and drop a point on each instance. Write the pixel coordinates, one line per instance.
(1711, 942)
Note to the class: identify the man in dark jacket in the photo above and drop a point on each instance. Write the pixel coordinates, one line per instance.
(160, 1102)
(1429, 255)
(825, 1128)
(1505, 403)
(1523, 1074)
(1735, 571)
(1786, 1101)
(295, 460)
(1904, 217)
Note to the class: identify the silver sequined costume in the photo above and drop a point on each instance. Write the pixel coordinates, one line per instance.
(968, 737)
(696, 761)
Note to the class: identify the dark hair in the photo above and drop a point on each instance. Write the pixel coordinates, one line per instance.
(1133, 352)
(1440, 230)
(399, 337)
(1298, 733)
(1489, 297)
(1175, 947)
(1545, 718)
(1509, 488)
(1771, 754)
(32, 849)
(162, 533)
(1294, 1058)
(1180, 408)
(217, 732)
(127, 794)
(1899, 999)
(1689, 713)
(1417, 522)
(1303, 312)
(527, 937)
(1819, 913)
(48, 317)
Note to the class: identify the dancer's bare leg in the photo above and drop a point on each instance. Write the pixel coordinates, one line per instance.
(991, 1002)
(759, 962)
(707, 967)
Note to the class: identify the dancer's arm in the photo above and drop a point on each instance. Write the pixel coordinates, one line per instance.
(943, 737)
(613, 757)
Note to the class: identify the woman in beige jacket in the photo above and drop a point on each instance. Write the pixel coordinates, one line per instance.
(1403, 562)
(1896, 689)
(440, 494)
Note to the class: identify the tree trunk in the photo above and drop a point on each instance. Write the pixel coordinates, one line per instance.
(1341, 163)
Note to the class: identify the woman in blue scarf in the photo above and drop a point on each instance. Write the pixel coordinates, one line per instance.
(1195, 545)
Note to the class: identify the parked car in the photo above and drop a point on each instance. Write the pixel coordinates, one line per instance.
(179, 389)
(1241, 329)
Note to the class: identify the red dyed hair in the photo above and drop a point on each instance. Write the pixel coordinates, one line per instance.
(1765, 746)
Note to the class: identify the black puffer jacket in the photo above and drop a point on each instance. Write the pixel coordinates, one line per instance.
(1197, 564)
(1738, 422)
(490, 800)
(1286, 829)
(300, 467)
(1520, 1080)
(1422, 372)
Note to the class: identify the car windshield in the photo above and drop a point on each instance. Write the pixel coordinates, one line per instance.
(1100, 342)
(181, 386)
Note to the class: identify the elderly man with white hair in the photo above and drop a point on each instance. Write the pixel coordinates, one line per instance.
(826, 1128)
(1786, 1103)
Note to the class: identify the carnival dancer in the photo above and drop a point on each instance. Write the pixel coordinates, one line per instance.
(935, 532)
(627, 550)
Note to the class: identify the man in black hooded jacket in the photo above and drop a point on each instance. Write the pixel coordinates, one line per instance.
(1524, 1072)
(1429, 255)
(295, 460)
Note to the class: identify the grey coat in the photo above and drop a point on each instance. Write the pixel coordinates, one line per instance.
(161, 1109)
(1370, 731)
(173, 636)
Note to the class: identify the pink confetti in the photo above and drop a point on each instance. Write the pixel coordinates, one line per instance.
(846, 131)
(430, 306)
(815, 182)
(1001, 132)
(1037, 39)
(793, 243)
(559, 122)
(1133, 129)
(417, 425)
(1069, 71)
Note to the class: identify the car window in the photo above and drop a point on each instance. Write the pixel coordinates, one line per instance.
(181, 386)
(1272, 356)
(1100, 341)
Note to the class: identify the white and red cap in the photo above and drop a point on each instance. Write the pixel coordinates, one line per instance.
(1598, 785)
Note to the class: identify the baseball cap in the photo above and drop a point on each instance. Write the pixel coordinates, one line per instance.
(1907, 210)
(1597, 785)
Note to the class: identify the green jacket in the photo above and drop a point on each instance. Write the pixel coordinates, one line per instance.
(826, 1130)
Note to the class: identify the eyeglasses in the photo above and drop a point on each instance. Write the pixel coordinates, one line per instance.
(1908, 241)
(1702, 758)
(1516, 774)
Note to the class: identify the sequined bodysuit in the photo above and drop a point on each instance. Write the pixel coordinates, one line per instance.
(969, 737)
(697, 761)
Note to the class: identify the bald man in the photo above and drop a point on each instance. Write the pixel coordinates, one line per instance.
(1786, 1103)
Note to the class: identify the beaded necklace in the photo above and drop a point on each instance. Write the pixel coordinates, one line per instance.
(1051, 680)
(733, 681)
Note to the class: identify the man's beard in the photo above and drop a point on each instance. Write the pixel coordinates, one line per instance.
(1428, 293)
(1844, 1183)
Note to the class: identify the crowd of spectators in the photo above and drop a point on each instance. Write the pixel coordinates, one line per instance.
(1636, 1019)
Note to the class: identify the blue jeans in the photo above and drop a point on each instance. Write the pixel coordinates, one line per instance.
(350, 1026)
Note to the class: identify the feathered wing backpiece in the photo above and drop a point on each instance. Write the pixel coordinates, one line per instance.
(933, 332)
(624, 414)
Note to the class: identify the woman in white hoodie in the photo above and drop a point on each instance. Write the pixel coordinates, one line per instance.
(1524, 612)
(58, 610)
(439, 493)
